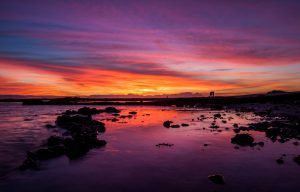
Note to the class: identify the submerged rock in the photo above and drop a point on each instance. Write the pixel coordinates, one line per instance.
(133, 112)
(217, 179)
(242, 139)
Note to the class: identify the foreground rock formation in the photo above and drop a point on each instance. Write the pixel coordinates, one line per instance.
(82, 136)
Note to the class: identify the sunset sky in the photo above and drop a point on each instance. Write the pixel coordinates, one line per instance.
(148, 47)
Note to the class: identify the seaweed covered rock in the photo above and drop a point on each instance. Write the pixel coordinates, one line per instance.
(279, 130)
(78, 122)
(242, 139)
(81, 145)
(83, 131)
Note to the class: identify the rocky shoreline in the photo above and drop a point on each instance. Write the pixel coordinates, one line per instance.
(81, 135)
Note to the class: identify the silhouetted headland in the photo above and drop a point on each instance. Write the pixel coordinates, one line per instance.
(218, 101)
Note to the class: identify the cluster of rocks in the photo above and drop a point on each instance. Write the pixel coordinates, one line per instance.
(91, 111)
(82, 136)
(169, 124)
(281, 131)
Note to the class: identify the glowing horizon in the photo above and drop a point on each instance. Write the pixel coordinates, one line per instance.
(148, 47)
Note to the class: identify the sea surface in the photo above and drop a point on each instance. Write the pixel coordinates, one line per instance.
(131, 161)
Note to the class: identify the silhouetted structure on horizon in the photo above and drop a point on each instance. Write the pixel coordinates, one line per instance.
(212, 94)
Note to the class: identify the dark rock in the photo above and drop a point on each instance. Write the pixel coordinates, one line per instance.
(88, 111)
(83, 131)
(242, 139)
(48, 153)
(279, 161)
(49, 126)
(236, 130)
(296, 143)
(261, 144)
(175, 126)
(217, 179)
(55, 140)
(235, 125)
(185, 125)
(218, 115)
(75, 148)
(30, 163)
(214, 126)
(164, 144)
(125, 116)
(167, 124)
(111, 110)
(261, 126)
(133, 112)
(224, 121)
(78, 123)
(70, 112)
(114, 120)
(297, 159)
(100, 143)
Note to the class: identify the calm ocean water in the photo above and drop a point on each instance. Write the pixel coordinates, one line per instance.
(132, 162)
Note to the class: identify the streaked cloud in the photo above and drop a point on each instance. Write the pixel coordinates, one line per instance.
(148, 47)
